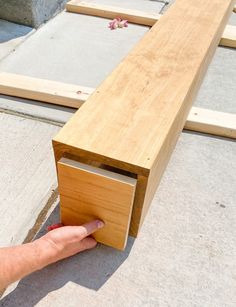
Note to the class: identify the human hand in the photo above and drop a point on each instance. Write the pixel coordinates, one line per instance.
(19, 261)
(66, 241)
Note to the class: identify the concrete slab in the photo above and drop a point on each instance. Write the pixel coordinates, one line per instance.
(185, 254)
(218, 90)
(35, 109)
(74, 48)
(27, 177)
(11, 35)
(77, 37)
(232, 20)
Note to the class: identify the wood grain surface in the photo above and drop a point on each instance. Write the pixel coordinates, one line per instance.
(88, 193)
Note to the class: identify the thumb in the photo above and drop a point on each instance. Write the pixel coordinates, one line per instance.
(87, 229)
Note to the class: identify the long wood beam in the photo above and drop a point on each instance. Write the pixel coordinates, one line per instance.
(229, 37)
(212, 122)
(134, 16)
(70, 95)
(111, 12)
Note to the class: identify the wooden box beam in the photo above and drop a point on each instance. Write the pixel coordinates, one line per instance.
(133, 120)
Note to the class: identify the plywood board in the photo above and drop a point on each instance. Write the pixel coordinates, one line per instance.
(88, 193)
(111, 12)
(134, 118)
(43, 90)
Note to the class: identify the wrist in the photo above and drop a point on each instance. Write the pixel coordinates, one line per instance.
(46, 252)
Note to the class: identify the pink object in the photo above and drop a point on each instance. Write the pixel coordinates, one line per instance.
(117, 23)
(54, 226)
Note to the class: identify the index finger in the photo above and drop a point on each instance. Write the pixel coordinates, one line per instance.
(89, 228)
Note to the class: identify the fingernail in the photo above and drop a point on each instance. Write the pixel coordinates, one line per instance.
(100, 224)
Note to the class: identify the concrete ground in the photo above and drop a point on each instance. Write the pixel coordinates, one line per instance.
(27, 174)
(11, 35)
(186, 252)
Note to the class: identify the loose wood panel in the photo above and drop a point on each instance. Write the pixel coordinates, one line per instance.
(88, 193)
(133, 120)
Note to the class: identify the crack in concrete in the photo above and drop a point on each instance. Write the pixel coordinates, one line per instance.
(41, 217)
(32, 117)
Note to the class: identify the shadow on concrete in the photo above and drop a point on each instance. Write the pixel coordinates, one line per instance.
(217, 137)
(90, 269)
(10, 31)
